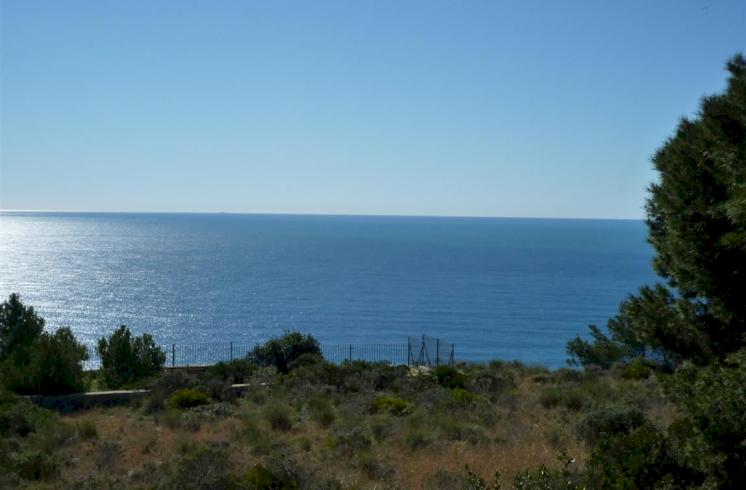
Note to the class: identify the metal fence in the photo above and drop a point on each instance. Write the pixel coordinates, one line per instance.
(429, 351)
(421, 351)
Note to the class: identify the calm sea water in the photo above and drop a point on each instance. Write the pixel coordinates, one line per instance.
(497, 288)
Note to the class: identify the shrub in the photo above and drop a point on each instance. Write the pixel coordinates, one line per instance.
(472, 481)
(551, 397)
(488, 382)
(712, 426)
(637, 368)
(282, 351)
(33, 361)
(570, 398)
(463, 396)
(607, 422)
(260, 477)
(19, 417)
(126, 359)
(188, 398)
(373, 467)
(203, 468)
(87, 429)
(349, 441)
(449, 377)
(235, 371)
(52, 365)
(108, 454)
(36, 465)
(321, 411)
(279, 417)
(638, 459)
(418, 437)
(20, 326)
(391, 404)
(163, 387)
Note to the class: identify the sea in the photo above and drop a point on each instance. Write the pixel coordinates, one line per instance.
(497, 288)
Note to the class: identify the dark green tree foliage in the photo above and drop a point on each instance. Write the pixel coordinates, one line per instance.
(282, 351)
(640, 458)
(126, 359)
(56, 365)
(20, 326)
(697, 225)
(602, 351)
(34, 361)
(711, 434)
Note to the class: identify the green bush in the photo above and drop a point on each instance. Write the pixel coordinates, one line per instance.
(203, 468)
(712, 427)
(20, 326)
(188, 398)
(637, 368)
(321, 411)
(609, 421)
(449, 377)
(260, 477)
(463, 396)
(52, 365)
(33, 361)
(282, 351)
(126, 359)
(472, 481)
(19, 417)
(640, 458)
(164, 386)
(279, 417)
(235, 371)
(87, 429)
(36, 465)
(391, 404)
(543, 478)
(555, 396)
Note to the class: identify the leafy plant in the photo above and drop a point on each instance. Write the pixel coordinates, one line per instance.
(391, 404)
(53, 365)
(449, 377)
(282, 351)
(279, 417)
(126, 359)
(188, 398)
(20, 326)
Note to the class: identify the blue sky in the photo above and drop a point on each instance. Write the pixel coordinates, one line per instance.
(499, 108)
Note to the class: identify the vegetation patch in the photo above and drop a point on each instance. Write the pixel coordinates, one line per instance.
(391, 404)
(188, 398)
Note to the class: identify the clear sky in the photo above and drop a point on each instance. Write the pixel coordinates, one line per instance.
(487, 108)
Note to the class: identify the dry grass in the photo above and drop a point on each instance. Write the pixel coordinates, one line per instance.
(517, 433)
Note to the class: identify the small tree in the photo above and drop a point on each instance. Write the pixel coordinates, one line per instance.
(281, 352)
(20, 326)
(126, 359)
(33, 361)
(55, 366)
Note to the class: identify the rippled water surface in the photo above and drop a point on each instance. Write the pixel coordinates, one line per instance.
(505, 288)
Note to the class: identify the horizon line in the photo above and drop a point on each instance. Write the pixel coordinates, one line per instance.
(268, 213)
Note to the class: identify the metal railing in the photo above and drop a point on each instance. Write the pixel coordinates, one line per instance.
(421, 351)
(429, 351)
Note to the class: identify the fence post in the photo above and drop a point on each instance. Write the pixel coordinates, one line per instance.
(451, 360)
(437, 352)
(173, 355)
(231, 351)
(350, 353)
(409, 350)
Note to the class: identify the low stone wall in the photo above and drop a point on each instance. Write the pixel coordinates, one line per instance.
(82, 401)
